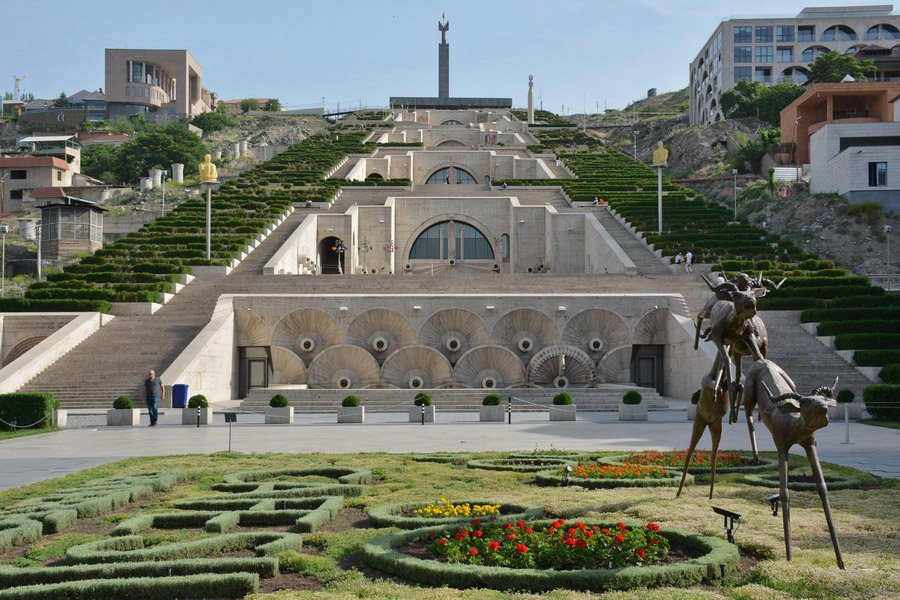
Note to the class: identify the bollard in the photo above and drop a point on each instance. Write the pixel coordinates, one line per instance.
(509, 409)
(847, 424)
(198, 416)
(423, 414)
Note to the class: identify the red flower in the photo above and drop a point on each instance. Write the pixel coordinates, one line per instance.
(588, 534)
(493, 545)
(442, 542)
(459, 536)
(477, 533)
(562, 521)
(569, 541)
(572, 531)
(473, 552)
(529, 530)
(653, 527)
(520, 523)
(521, 548)
(493, 518)
(620, 524)
(605, 531)
(510, 537)
(641, 553)
(618, 538)
(581, 543)
(432, 534)
(476, 522)
(508, 525)
(581, 526)
(653, 540)
(552, 531)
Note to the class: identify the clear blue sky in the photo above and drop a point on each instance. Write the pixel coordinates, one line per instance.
(580, 52)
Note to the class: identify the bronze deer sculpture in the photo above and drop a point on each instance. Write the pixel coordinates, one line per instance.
(793, 419)
(710, 410)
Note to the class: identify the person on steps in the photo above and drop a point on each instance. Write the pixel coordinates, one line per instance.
(154, 392)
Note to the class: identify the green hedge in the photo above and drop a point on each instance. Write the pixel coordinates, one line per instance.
(883, 401)
(18, 531)
(381, 553)
(555, 478)
(222, 585)
(833, 482)
(60, 305)
(345, 475)
(861, 313)
(391, 515)
(28, 409)
(443, 457)
(867, 341)
(520, 465)
(867, 326)
(876, 358)
(890, 374)
(765, 464)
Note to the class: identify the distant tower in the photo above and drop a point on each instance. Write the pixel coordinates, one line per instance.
(530, 99)
(443, 61)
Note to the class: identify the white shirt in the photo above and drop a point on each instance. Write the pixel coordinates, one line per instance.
(689, 258)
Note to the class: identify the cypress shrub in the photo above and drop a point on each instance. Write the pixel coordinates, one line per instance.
(123, 402)
(562, 399)
(278, 401)
(422, 399)
(31, 409)
(845, 396)
(198, 401)
(883, 401)
(492, 400)
(632, 397)
(350, 402)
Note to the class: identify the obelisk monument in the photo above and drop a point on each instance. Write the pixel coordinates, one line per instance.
(443, 61)
(531, 99)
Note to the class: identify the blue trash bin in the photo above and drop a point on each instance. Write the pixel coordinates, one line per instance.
(179, 395)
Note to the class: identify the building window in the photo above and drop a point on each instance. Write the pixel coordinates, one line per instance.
(504, 246)
(742, 73)
(811, 54)
(877, 174)
(15, 195)
(137, 71)
(127, 90)
(764, 34)
(806, 33)
(743, 35)
(764, 54)
(468, 242)
(18, 174)
(784, 33)
(762, 74)
(743, 54)
(838, 33)
(59, 175)
(785, 55)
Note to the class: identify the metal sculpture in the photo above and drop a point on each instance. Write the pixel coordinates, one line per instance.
(792, 419)
(710, 410)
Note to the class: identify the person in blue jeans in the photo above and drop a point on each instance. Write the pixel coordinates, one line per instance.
(154, 391)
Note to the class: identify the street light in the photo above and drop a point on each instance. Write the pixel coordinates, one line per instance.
(734, 177)
(887, 231)
(4, 229)
(164, 174)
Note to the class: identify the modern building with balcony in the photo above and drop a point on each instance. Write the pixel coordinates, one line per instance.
(154, 83)
(774, 48)
(847, 137)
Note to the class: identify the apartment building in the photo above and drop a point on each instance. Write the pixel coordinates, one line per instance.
(154, 82)
(774, 48)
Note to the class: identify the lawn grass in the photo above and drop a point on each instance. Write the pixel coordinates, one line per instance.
(877, 423)
(868, 540)
(8, 435)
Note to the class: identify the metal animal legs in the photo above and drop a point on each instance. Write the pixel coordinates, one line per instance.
(813, 456)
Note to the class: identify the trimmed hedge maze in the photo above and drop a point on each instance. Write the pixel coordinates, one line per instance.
(148, 263)
(126, 565)
(519, 465)
(555, 478)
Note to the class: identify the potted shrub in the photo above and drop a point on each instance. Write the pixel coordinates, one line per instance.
(189, 414)
(351, 411)
(492, 409)
(692, 407)
(279, 411)
(415, 412)
(562, 409)
(631, 408)
(845, 401)
(123, 413)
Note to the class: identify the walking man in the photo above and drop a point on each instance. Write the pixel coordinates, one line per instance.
(154, 391)
(689, 262)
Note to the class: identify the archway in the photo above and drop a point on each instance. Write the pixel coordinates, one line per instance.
(444, 176)
(451, 144)
(452, 122)
(330, 258)
(377, 176)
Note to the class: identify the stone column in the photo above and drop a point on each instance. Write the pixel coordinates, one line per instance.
(530, 99)
(244, 144)
(236, 149)
(217, 154)
(443, 62)
(156, 176)
(146, 184)
(178, 172)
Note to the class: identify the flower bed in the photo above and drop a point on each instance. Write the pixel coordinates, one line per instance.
(559, 454)
(802, 483)
(443, 457)
(522, 465)
(601, 476)
(403, 514)
(727, 462)
(383, 553)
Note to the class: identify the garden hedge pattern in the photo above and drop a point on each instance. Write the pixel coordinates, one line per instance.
(553, 478)
(832, 482)
(393, 515)
(521, 465)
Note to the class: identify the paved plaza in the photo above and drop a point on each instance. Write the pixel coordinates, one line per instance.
(90, 443)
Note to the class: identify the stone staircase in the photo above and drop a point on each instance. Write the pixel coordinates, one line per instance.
(646, 262)
(604, 398)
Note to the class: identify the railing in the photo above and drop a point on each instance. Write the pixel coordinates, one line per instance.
(889, 281)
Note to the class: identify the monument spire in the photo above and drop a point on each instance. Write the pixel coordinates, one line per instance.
(531, 99)
(443, 60)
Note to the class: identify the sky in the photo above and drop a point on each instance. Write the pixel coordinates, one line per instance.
(584, 54)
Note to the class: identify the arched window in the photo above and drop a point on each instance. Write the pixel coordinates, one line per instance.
(468, 242)
(797, 75)
(885, 31)
(504, 246)
(442, 175)
(452, 122)
(838, 33)
(811, 54)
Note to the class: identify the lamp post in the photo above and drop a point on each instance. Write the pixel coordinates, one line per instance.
(4, 229)
(887, 231)
(164, 173)
(659, 169)
(40, 225)
(734, 178)
(208, 185)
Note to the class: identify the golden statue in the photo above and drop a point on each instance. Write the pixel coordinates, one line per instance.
(208, 170)
(660, 156)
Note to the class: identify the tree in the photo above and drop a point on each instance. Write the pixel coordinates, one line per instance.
(273, 105)
(212, 121)
(249, 104)
(100, 161)
(832, 67)
(222, 108)
(158, 148)
(753, 99)
(62, 101)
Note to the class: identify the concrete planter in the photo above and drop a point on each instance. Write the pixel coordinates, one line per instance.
(632, 412)
(189, 416)
(563, 412)
(283, 416)
(60, 418)
(415, 414)
(123, 417)
(836, 413)
(492, 414)
(351, 414)
(691, 411)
